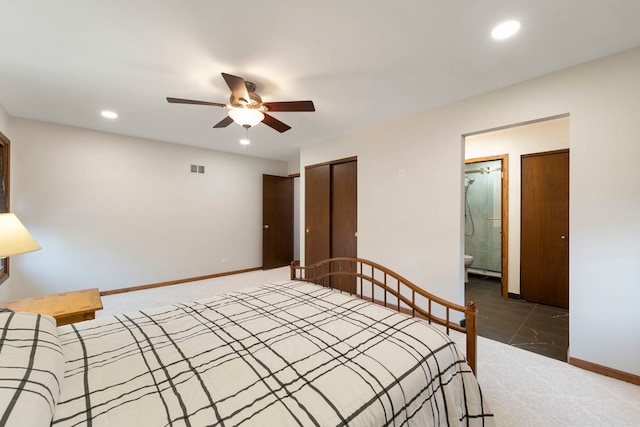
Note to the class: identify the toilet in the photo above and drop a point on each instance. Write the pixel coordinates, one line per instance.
(468, 260)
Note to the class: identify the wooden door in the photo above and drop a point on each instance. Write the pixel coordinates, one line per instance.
(331, 213)
(317, 200)
(344, 208)
(544, 237)
(344, 217)
(277, 216)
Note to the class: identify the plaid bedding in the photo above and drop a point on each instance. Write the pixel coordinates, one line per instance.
(31, 367)
(287, 353)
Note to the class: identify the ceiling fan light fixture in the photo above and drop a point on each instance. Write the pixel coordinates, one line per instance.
(246, 107)
(246, 116)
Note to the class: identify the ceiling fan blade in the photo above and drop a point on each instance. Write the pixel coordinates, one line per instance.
(274, 123)
(290, 106)
(238, 88)
(191, 101)
(224, 122)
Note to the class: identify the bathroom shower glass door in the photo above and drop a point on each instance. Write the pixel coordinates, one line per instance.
(483, 216)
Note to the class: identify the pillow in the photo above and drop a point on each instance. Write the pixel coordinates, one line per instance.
(31, 368)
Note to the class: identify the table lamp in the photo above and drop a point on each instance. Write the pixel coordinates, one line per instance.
(14, 237)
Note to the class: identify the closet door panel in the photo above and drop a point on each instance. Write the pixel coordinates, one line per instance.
(317, 214)
(344, 208)
(344, 218)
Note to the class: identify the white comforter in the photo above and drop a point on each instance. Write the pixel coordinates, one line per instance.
(288, 353)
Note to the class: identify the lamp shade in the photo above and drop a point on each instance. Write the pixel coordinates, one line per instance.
(246, 116)
(14, 237)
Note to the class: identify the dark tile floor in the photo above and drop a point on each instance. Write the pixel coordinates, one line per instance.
(535, 327)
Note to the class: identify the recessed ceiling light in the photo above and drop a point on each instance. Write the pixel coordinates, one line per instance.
(109, 114)
(245, 141)
(505, 30)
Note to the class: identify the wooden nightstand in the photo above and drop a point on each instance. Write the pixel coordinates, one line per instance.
(66, 308)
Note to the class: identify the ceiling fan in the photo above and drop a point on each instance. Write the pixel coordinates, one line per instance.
(246, 107)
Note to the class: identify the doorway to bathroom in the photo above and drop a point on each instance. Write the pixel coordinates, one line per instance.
(486, 217)
(528, 325)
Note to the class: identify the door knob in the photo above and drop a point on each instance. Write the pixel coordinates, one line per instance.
(307, 230)
(266, 226)
(563, 237)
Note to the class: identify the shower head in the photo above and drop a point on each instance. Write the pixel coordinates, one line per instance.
(467, 184)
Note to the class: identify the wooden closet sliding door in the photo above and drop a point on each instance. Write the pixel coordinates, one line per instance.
(344, 208)
(317, 202)
(331, 207)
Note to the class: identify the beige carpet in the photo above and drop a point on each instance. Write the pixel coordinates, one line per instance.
(523, 388)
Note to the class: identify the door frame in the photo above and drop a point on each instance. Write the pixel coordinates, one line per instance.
(504, 226)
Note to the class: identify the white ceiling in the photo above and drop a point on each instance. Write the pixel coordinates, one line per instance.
(362, 62)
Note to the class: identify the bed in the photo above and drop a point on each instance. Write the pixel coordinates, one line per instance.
(308, 351)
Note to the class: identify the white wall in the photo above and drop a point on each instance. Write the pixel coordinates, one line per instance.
(112, 211)
(542, 136)
(410, 225)
(415, 225)
(4, 121)
(293, 166)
